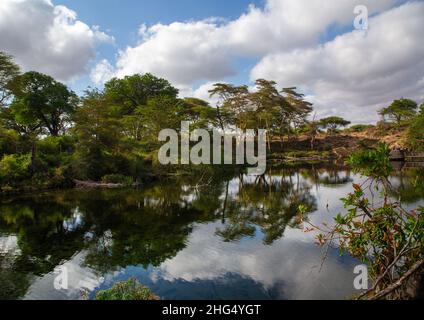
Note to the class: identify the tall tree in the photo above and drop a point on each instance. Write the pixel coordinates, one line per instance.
(40, 101)
(400, 110)
(268, 104)
(228, 105)
(133, 91)
(8, 71)
(199, 112)
(300, 108)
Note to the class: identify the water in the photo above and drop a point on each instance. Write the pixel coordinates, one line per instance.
(199, 237)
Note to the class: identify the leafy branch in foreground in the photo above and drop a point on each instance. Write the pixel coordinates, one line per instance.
(379, 232)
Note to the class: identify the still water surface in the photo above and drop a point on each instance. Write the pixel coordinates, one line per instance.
(233, 237)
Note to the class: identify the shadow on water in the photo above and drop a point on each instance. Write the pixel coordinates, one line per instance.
(207, 236)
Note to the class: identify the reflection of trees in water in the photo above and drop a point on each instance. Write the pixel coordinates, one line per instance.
(42, 240)
(268, 202)
(118, 228)
(409, 187)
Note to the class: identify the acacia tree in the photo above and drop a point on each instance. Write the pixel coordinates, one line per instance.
(42, 102)
(333, 123)
(231, 102)
(8, 71)
(400, 110)
(300, 107)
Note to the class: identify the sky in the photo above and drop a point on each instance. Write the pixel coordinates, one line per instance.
(309, 44)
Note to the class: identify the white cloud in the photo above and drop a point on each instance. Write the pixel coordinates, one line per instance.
(48, 38)
(189, 52)
(341, 76)
(358, 72)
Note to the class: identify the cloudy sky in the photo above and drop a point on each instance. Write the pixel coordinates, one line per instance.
(311, 44)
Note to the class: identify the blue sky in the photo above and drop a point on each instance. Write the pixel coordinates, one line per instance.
(122, 18)
(310, 44)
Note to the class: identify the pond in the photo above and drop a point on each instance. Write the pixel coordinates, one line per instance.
(221, 236)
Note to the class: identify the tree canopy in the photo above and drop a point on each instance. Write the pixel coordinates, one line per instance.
(42, 102)
(400, 110)
(8, 71)
(333, 123)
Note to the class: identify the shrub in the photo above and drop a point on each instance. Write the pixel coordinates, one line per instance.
(128, 290)
(416, 133)
(360, 128)
(14, 168)
(118, 178)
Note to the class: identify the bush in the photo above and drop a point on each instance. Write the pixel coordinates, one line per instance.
(360, 128)
(118, 178)
(129, 290)
(54, 151)
(14, 168)
(416, 134)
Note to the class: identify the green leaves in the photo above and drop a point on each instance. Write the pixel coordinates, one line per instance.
(374, 163)
(42, 102)
(400, 110)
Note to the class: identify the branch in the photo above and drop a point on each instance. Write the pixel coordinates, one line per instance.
(399, 282)
(397, 258)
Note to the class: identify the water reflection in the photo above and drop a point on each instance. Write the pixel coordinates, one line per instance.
(218, 236)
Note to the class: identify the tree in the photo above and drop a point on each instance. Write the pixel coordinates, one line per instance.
(312, 130)
(133, 91)
(199, 112)
(98, 133)
(229, 102)
(333, 123)
(400, 110)
(300, 108)
(8, 71)
(295, 111)
(42, 102)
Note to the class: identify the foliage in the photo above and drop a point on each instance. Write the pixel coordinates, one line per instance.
(333, 123)
(382, 234)
(360, 127)
(373, 163)
(400, 110)
(8, 71)
(14, 168)
(129, 290)
(42, 103)
(134, 91)
(416, 133)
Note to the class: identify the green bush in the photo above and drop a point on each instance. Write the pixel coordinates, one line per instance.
(128, 290)
(14, 168)
(416, 133)
(360, 128)
(55, 151)
(118, 178)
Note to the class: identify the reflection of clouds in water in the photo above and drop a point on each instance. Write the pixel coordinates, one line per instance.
(75, 221)
(9, 245)
(293, 261)
(79, 279)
